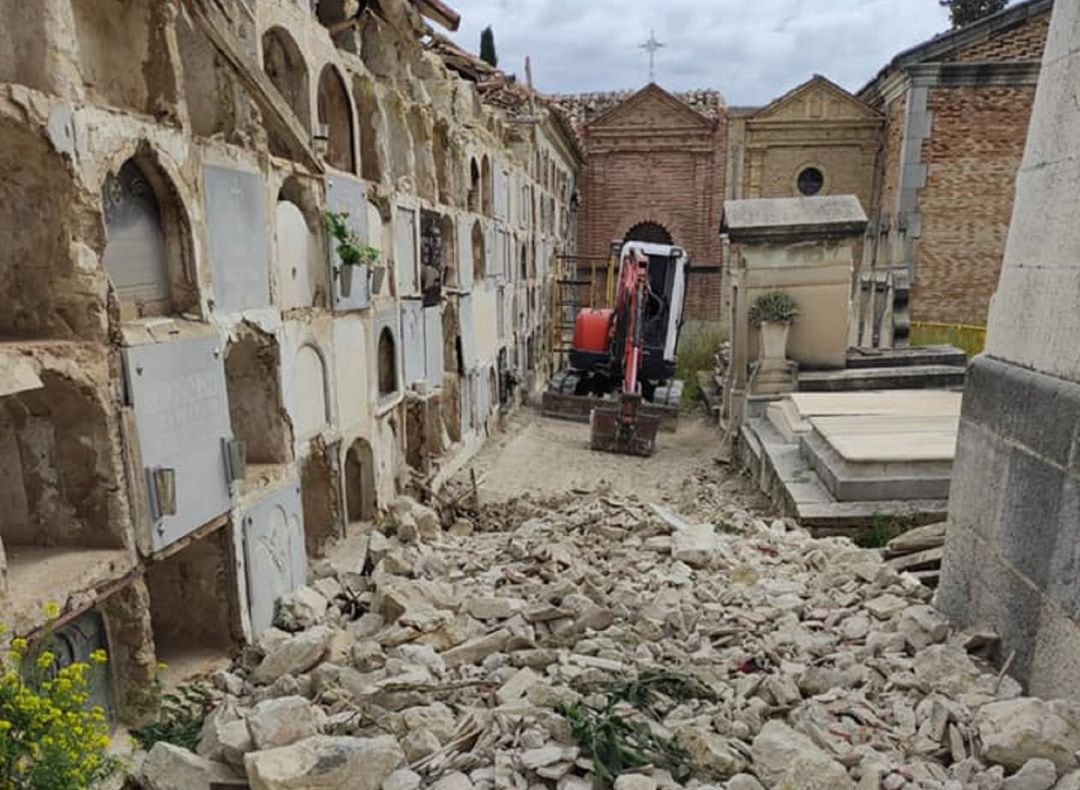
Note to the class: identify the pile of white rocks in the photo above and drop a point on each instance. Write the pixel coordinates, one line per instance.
(443, 656)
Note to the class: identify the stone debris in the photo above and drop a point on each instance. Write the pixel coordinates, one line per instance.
(740, 653)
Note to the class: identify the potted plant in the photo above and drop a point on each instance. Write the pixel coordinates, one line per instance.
(351, 250)
(772, 313)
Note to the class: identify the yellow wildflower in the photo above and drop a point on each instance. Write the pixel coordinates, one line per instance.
(99, 656)
(52, 610)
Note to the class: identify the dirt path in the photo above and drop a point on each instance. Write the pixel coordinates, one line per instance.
(542, 456)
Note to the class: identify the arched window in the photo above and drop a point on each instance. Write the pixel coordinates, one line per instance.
(387, 363)
(336, 120)
(649, 232)
(478, 257)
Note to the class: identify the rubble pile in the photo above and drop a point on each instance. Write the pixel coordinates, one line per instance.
(609, 641)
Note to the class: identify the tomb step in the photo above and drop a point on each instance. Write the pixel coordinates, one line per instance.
(850, 481)
(882, 378)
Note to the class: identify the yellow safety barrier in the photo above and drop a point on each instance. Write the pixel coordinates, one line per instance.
(971, 339)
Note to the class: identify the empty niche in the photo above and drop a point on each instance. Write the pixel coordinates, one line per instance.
(312, 401)
(437, 256)
(320, 494)
(147, 248)
(473, 197)
(398, 140)
(444, 172)
(360, 498)
(335, 118)
(115, 53)
(479, 259)
(423, 159)
(487, 186)
(211, 91)
(256, 413)
(56, 471)
(369, 121)
(284, 64)
(194, 610)
(387, 361)
(301, 273)
(453, 371)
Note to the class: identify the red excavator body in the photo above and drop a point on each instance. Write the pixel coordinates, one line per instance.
(623, 427)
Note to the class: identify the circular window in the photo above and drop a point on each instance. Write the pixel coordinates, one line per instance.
(811, 181)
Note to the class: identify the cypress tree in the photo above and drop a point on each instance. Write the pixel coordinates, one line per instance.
(487, 47)
(964, 12)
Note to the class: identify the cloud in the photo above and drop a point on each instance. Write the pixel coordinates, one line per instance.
(750, 50)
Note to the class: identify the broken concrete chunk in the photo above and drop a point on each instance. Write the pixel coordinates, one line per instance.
(922, 626)
(325, 762)
(1036, 774)
(788, 759)
(402, 779)
(476, 650)
(169, 767)
(296, 654)
(492, 608)
(635, 782)
(712, 755)
(1015, 731)
(885, 606)
(454, 781)
(302, 608)
(281, 721)
(696, 545)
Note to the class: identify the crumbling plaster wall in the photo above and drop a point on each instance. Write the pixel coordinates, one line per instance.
(73, 111)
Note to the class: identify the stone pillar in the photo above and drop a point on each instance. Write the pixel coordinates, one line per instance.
(132, 659)
(1012, 557)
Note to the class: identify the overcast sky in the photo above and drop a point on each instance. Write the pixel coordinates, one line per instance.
(750, 50)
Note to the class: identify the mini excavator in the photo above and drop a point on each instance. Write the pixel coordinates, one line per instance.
(623, 357)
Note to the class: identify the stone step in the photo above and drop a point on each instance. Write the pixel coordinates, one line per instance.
(872, 481)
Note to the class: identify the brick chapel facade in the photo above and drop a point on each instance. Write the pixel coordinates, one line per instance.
(930, 147)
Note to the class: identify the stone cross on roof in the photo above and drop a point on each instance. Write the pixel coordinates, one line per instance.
(651, 46)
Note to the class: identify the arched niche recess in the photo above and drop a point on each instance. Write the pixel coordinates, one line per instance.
(148, 237)
(473, 198)
(313, 405)
(284, 64)
(335, 116)
(368, 118)
(387, 360)
(479, 259)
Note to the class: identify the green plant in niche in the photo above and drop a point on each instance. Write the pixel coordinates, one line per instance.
(351, 249)
(774, 306)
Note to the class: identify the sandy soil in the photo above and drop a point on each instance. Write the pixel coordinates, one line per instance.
(542, 456)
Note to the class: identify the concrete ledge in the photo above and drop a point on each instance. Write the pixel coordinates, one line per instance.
(855, 482)
(905, 357)
(884, 378)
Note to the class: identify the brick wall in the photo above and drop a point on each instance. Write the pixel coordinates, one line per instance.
(1024, 42)
(973, 155)
(665, 168)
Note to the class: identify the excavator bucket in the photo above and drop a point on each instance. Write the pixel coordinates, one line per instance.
(624, 428)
